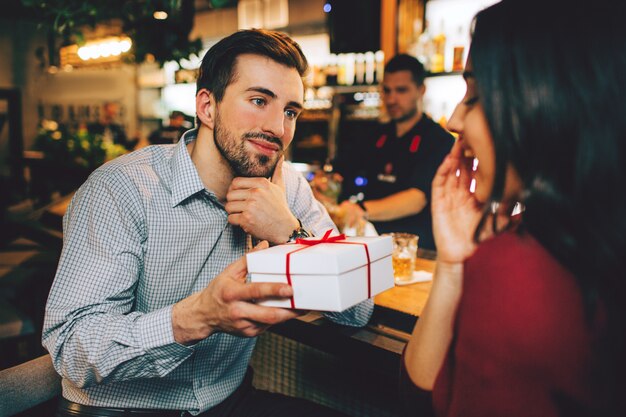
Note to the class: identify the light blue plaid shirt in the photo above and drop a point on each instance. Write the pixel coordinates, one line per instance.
(141, 234)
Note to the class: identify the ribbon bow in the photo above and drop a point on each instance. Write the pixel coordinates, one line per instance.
(325, 239)
(328, 239)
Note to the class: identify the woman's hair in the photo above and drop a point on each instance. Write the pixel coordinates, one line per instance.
(551, 77)
(217, 70)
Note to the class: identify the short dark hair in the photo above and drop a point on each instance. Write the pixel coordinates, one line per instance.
(217, 68)
(404, 62)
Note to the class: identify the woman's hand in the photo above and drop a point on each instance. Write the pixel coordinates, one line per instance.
(455, 211)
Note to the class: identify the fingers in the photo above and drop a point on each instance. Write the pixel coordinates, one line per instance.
(457, 149)
(256, 291)
(277, 178)
(237, 270)
(262, 314)
(247, 183)
(465, 168)
(443, 173)
(237, 194)
(236, 219)
(233, 207)
(264, 244)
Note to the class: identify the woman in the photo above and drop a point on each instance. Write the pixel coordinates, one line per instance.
(526, 314)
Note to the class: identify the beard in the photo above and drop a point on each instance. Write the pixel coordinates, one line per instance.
(405, 116)
(243, 162)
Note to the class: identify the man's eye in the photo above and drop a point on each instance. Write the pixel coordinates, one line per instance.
(258, 101)
(291, 114)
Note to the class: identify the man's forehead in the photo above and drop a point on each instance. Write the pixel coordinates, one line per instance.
(249, 71)
(398, 78)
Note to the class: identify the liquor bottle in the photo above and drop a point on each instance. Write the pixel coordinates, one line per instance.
(458, 54)
(369, 67)
(425, 48)
(359, 69)
(341, 69)
(379, 56)
(331, 70)
(438, 58)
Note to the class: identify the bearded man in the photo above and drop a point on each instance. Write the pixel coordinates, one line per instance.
(150, 312)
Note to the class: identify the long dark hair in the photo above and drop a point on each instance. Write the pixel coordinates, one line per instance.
(551, 77)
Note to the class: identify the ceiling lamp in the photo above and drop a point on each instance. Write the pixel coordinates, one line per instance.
(104, 49)
(160, 15)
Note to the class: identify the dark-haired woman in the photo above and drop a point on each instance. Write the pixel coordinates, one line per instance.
(526, 314)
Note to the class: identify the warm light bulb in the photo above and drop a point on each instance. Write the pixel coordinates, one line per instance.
(160, 15)
(125, 45)
(83, 53)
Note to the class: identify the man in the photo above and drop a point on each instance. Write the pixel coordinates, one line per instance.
(172, 132)
(403, 159)
(150, 310)
(110, 130)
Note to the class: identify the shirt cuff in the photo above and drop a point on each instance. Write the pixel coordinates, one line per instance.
(157, 339)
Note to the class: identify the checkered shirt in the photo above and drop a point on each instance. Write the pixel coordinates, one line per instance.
(141, 234)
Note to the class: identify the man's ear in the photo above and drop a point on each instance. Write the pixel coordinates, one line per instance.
(205, 108)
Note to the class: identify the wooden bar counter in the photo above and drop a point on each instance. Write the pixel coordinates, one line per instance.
(379, 345)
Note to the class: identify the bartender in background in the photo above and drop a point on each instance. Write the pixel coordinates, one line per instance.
(402, 158)
(109, 127)
(172, 132)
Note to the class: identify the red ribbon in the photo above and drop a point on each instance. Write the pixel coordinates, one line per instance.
(328, 239)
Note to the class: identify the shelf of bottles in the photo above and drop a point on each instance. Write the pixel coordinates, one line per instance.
(357, 73)
(442, 46)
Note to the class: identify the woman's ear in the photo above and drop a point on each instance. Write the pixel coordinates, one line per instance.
(205, 108)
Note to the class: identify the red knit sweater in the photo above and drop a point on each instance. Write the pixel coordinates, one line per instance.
(522, 344)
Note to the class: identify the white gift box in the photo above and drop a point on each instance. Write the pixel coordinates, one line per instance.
(326, 276)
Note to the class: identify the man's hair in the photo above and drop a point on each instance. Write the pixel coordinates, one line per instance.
(404, 62)
(217, 68)
(176, 113)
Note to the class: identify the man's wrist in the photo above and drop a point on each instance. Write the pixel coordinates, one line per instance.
(183, 315)
(298, 232)
(361, 204)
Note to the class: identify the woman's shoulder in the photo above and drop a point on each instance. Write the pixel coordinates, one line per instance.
(516, 250)
(513, 277)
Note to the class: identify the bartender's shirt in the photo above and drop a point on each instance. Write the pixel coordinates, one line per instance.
(399, 163)
(140, 235)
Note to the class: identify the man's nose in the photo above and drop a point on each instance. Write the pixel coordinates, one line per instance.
(274, 123)
(390, 98)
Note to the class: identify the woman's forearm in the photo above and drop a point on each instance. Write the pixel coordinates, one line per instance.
(431, 337)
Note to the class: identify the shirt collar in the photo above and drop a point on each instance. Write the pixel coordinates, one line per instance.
(185, 179)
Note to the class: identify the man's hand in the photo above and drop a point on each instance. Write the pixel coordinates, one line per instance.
(227, 305)
(353, 213)
(259, 206)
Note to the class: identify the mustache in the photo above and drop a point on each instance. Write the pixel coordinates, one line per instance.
(269, 138)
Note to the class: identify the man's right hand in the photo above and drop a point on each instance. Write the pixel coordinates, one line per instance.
(227, 305)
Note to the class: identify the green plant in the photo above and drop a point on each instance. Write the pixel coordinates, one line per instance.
(165, 40)
(74, 148)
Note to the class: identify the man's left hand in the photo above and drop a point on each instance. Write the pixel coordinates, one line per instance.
(259, 206)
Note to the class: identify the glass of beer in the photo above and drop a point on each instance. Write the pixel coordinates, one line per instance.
(403, 256)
